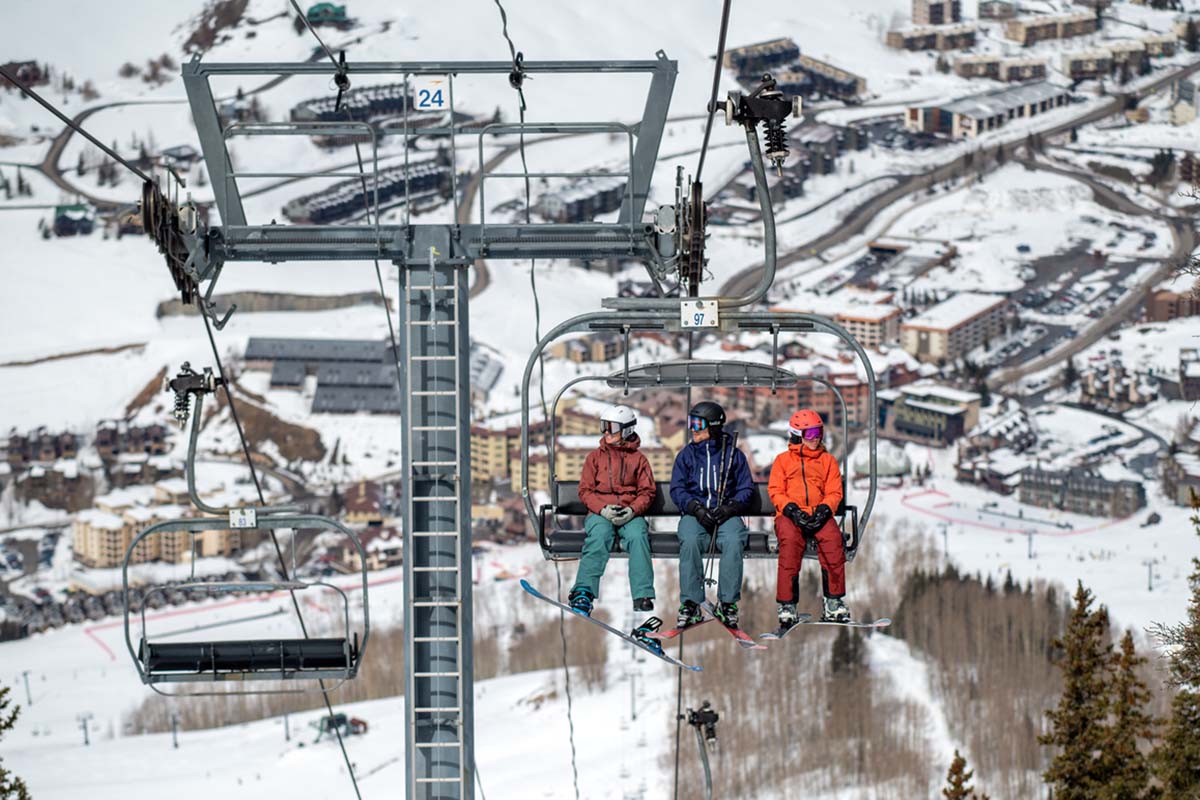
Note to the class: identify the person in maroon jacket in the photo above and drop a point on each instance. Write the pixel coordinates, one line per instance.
(617, 487)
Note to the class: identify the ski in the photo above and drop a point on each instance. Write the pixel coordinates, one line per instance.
(622, 634)
(744, 640)
(673, 632)
(807, 619)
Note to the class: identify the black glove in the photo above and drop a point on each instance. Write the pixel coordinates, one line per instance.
(702, 513)
(821, 514)
(727, 510)
(798, 517)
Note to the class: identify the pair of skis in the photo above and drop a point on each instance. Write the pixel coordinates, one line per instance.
(743, 639)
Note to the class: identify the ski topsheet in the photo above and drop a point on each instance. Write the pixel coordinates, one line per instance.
(745, 640)
(622, 634)
(673, 632)
(807, 619)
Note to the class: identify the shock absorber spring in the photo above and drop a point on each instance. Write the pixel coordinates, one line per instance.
(776, 136)
(183, 403)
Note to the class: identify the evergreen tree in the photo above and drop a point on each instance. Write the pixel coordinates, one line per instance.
(11, 787)
(958, 779)
(1127, 768)
(1077, 730)
(1177, 759)
(1191, 37)
(1070, 373)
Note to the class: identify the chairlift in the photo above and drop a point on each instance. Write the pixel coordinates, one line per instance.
(567, 543)
(314, 660)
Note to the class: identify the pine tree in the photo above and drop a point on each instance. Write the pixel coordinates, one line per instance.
(1177, 759)
(957, 779)
(11, 787)
(1077, 729)
(1127, 768)
(1070, 374)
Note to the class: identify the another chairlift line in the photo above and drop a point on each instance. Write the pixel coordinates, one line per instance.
(567, 544)
(305, 659)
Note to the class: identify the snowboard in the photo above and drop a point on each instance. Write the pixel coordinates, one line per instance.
(622, 634)
(744, 640)
(807, 619)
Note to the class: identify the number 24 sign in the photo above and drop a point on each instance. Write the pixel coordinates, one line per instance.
(431, 93)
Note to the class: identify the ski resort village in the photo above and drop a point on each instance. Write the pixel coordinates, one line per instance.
(388, 390)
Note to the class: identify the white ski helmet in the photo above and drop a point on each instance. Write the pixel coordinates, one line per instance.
(618, 419)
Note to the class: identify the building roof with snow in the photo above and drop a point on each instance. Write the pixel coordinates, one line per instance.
(959, 310)
(1001, 101)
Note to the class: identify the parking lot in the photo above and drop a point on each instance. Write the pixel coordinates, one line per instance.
(889, 132)
(1062, 293)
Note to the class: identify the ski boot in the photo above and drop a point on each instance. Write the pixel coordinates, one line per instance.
(580, 601)
(835, 610)
(727, 614)
(651, 625)
(643, 604)
(787, 615)
(689, 614)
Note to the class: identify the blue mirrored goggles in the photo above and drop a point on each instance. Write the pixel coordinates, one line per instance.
(697, 423)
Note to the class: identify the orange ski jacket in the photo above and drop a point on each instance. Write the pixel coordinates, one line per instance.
(805, 477)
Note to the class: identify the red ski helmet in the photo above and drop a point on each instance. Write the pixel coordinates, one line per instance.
(805, 424)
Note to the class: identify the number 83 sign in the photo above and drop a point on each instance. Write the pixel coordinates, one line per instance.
(431, 93)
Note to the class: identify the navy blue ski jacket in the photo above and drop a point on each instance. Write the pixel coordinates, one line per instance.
(697, 474)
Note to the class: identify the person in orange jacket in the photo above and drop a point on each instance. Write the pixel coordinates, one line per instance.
(806, 488)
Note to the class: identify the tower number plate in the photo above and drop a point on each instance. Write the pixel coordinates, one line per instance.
(698, 313)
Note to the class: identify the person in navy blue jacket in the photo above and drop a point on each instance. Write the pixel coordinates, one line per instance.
(712, 487)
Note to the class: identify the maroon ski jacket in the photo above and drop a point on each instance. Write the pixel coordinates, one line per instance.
(617, 475)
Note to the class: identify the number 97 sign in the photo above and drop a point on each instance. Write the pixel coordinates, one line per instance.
(698, 314)
(431, 93)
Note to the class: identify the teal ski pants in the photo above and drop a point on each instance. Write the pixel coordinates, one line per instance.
(635, 540)
(694, 542)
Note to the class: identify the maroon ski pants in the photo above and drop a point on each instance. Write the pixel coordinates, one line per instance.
(831, 554)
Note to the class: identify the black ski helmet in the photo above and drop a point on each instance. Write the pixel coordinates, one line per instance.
(710, 412)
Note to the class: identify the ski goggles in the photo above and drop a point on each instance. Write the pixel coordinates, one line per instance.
(610, 427)
(697, 423)
(809, 434)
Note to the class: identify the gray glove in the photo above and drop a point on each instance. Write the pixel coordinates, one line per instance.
(623, 515)
(610, 513)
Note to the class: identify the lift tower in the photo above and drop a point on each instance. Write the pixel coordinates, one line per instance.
(434, 343)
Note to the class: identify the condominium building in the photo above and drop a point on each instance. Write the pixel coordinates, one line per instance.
(944, 37)
(1031, 30)
(954, 327)
(936, 12)
(969, 117)
(761, 56)
(1081, 491)
(927, 413)
(1001, 69)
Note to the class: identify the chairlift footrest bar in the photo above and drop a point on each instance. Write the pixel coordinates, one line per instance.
(287, 656)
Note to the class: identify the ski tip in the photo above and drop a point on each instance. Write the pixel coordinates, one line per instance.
(882, 623)
(528, 587)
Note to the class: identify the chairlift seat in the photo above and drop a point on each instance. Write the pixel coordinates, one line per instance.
(568, 543)
(294, 656)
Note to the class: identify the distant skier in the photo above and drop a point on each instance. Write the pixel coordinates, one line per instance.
(806, 488)
(712, 487)
(616, 486)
